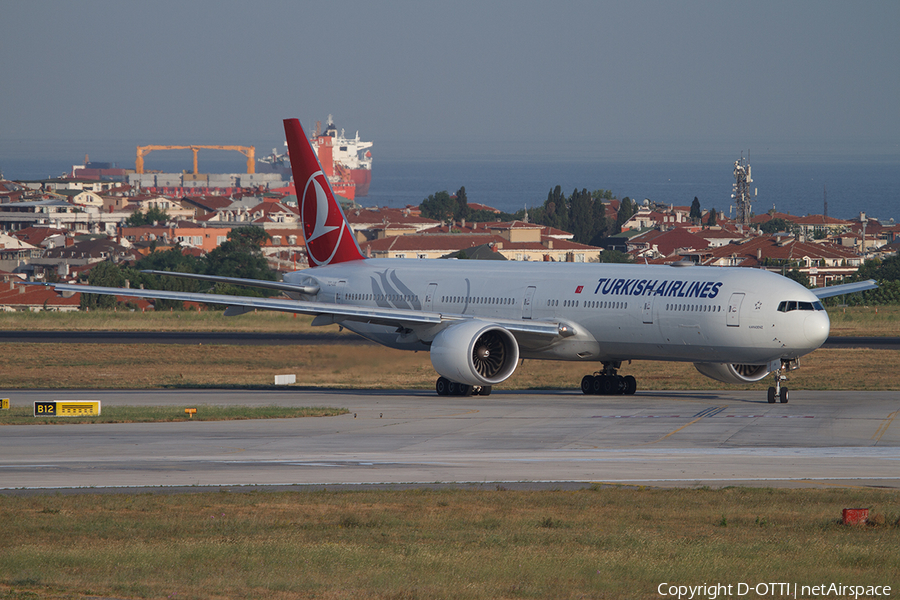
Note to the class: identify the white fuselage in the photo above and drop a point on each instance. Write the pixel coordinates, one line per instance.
(618, 312)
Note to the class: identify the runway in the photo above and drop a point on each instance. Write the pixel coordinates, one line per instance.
(530, 439)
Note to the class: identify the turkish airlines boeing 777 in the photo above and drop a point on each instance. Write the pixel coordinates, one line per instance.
(478, 318)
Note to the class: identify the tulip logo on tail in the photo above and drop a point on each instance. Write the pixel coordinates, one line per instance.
(323, 224)
(327, 235)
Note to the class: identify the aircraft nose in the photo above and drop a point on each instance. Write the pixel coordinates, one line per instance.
(817, 327)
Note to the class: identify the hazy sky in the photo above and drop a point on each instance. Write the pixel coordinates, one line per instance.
(500, 76)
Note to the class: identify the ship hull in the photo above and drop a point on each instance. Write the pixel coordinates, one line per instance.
(362, 178)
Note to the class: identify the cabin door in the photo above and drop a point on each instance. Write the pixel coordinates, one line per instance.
(429, 296)
(733, 318)
(528, 301)
(648, 311)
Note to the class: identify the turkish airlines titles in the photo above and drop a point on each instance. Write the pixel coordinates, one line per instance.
(654, 287)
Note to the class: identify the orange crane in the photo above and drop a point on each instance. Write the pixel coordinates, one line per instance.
(248, 151)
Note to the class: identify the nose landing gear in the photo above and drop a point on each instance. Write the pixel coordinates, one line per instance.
(777, 392)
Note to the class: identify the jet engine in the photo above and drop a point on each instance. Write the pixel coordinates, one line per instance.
(475, 353)
(733, 373)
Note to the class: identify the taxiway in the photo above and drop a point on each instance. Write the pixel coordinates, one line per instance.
(415, 437)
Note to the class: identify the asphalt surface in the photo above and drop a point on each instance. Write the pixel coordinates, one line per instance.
(514, 439)
(285, 339)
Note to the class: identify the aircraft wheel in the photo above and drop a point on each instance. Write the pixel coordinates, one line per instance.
(784, 395)
(587, 384)
(442, 387)
(463, 389)
(597, 385)
(630, 385)
(486, 390)
(771, 395)
(453, 389)
(608, 385)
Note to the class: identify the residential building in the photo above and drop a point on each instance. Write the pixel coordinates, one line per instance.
(186, 233)
(824, 264)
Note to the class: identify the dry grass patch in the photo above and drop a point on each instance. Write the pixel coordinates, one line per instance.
(845, 321)
(206, 320)
(594, 543)
(130, 366)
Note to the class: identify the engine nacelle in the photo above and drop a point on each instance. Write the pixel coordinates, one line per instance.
(733, 373)
(475, 353)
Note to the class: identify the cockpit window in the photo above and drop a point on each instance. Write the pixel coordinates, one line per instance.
(789, 305)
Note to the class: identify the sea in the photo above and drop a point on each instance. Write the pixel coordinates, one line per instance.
(851, 185)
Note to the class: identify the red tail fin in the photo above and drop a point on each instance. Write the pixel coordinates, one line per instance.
(328, 237)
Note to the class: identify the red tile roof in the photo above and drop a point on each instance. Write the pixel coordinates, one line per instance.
(667, 242)
(368, 216)
(431, 243)
(755, 250)
(23, 296)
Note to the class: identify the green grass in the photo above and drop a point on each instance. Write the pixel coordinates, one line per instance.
(24, 415)
(602, 542)
(883, 321)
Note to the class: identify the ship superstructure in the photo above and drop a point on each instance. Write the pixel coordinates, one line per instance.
(347, 162)
(347, 159)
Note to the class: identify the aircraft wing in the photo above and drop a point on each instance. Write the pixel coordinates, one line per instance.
(260, 283)
(844, 288)
(401, 318)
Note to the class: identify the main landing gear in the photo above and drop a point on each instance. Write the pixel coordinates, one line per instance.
(608, 383)
(445, 387)
(777, 392)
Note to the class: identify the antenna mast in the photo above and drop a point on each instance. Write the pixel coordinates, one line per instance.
(741, 191)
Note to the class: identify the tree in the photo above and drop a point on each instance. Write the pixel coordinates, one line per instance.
(696, 214)
(582, 216)
(627, 209)
(797, 276)
(171, 260)
(556, 212)
(601, 223)
(614, 256)
(241, 256)
(103, 274)
(153, 215)
(775, 225)
(880, 270)
(439, 206)
(713, 217)
(462, 211)
(252, 237)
